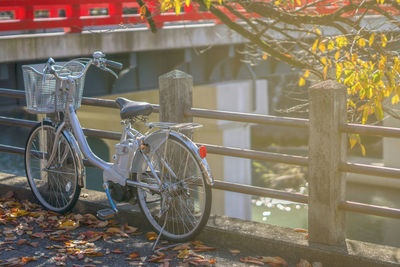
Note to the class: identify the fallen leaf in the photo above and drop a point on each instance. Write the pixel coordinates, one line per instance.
(303, 263)
(21, 242)
(115, 230)
(151, 236)
(128, 229)
(69, 225)
(234, 251)
(134, 255)
(182, 246)
(117, 251)
(184, 254)
(40, 235)
(251, 260)
(274, 261)
(28, 259)
(203, 248)
(299, 230)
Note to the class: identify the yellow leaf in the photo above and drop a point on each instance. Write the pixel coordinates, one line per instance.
(331, 45)
(362, 149)
(323, 60)
(142, 11)
(317, 31)
(151, 236)
(353, 141)
(306, 74)
(265, 56)
(325, 71)
(337, 55)
(302, 81)
(187, 2)
(177, 4)
(362, 42)
(395, 99)
(184, 254)
(298, 2)
(322, 47)
(384, 40)
(371, 39)
(315, 45)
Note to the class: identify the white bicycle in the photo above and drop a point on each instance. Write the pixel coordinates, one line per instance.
(162, 169)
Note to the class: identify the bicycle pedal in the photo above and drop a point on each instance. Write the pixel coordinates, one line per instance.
(105, 214)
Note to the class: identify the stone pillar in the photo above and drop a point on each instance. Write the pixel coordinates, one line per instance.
(327, 149)
(175, 96)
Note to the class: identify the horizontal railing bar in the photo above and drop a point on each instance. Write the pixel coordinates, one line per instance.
(370, 130)
(370, 170)
(12, 149)
(260, 191)
(257, 155)
(102, 134)
(370, 209)
(246, 117)
(90, 101)
(17, 122)
(12, 93)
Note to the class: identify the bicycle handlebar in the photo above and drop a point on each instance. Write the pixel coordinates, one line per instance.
(98, 60)
(113, 64)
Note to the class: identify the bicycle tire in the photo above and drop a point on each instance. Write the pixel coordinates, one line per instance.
(56, 189)
(184, 197)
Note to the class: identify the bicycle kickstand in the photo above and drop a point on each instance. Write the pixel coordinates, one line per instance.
(161, 231)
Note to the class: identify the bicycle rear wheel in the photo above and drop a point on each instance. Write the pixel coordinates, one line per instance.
(185, 203)
(56, 187)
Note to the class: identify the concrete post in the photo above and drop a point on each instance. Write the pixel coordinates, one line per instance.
(175, 96)
(327, 149)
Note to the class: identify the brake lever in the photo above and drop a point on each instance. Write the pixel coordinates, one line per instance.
(111, 71)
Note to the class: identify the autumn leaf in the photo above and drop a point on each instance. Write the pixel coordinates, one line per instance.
(300, 230)
(303, 263)
(274, 260)
(151, 236)
(134, 255)
(182, 246)
(384, 40)
(184, 254)
(251, 260)
(302, 81)
(117, 251)
(115, 230)
(128, 229)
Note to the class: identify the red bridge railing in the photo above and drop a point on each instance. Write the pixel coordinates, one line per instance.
(75, 15)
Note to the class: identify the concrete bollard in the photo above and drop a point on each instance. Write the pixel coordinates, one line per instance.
(175, 96)
(327, 149)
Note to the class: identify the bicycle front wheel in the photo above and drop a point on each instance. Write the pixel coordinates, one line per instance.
(183, 207)
(55, 187)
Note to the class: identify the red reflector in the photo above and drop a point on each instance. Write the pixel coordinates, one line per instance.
(203, 152)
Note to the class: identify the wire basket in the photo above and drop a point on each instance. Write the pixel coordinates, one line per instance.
(42, 91)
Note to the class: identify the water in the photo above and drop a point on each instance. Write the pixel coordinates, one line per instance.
(368, 228)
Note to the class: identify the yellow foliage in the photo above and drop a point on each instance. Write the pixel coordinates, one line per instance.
(315, 45)
(361, 42)
(302, 81)
(371, 39)
(383, 39)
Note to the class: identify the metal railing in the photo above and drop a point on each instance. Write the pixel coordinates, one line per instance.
(252, 154)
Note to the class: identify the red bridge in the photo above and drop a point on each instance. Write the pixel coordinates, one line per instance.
(75, 15)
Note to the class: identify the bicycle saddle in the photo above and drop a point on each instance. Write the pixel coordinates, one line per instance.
(130, 109)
